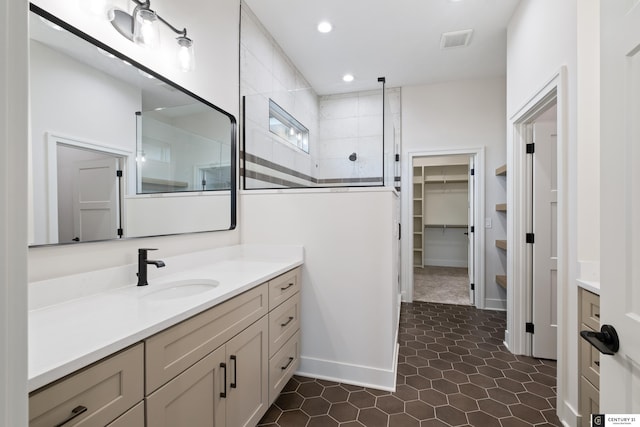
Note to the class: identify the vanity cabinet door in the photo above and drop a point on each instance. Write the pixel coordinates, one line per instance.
(194, 398)
(248, 376)
(134, 417)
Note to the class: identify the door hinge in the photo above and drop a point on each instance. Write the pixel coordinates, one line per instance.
(397, 157)
(120, 232)
(530, 238)
(531, 148)
(472, 229)
(473, 286)
(399, 231)
(472, 172)
(119, 174)
(528, 328)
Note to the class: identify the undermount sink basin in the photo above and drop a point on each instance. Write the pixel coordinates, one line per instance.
(181, 289)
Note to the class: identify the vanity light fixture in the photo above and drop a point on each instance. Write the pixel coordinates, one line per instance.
(142, 27)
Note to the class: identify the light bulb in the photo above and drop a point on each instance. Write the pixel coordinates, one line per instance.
(146, 30)
(186, 54)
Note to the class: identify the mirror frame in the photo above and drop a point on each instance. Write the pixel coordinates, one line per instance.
(233, 122)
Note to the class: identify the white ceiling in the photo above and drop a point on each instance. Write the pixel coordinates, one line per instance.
(397, 39)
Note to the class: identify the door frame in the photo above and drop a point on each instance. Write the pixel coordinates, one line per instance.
(53, 139)
(518, 217)
(407, 215)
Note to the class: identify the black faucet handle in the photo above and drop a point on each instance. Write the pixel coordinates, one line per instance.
(147, 249)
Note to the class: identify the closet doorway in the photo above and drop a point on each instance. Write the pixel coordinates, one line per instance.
(443, 229)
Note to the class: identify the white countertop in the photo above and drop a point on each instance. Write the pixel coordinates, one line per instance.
(590, 285)
(70, 334)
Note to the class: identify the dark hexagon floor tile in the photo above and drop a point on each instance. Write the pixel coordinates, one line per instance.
(343, 411)
(419, 410)
(465, 368)
(540, 389)
(440, 364)
(479, 418)
(544, 379)
(509, 384)
(482, 381)
(430, 372)
(515, 375)
(416, 361)
(292, 385)
(462, 402)
(390, 404)
(433, 423)
(407, 369)
(271, 416)
(406, 392)
(533, 401)
(473, 360)
(497, 363)
(315, 406)
(335, 394)
(362, 399)
(527, 414)
(433, 397)
(456, 377)
(322, 421)
(310, 389)
(418, 382)
(427, 354)
(451, 415)
(502, 395)
(493, 407)
(287, 401)
(445, 386)
(295, 418)
(490, 372)
(403, 420)
(473, 391)
(373, 417)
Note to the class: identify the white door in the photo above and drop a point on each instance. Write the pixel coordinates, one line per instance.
(95, 200)
(620, 202)
(470, 234)
(545, 247)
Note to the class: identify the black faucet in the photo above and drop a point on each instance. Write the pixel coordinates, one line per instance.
(142, 265)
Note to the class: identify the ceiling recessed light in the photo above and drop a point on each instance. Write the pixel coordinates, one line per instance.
(325, 27)
(348, 78)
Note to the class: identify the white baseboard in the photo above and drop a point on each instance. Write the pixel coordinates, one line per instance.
(364, 376)
(569, 417)
(495, 304)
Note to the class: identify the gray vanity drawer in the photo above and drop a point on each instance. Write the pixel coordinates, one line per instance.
(282, 366)
(283, 287)
(173, 350)
(106, 389)
(284, 321)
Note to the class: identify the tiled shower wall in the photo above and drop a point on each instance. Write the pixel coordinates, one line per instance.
(266, 73)
(339, 125)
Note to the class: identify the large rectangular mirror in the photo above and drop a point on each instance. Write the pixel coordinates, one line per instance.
(117, 150)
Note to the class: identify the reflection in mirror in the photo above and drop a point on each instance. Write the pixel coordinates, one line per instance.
(118, 151)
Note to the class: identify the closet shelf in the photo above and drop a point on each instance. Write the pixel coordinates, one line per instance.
(501, 207)
(446, 226)
(445, 180)
(501, 280)
(502, 244)
(501, 171)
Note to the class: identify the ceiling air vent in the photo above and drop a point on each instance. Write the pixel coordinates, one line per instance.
(455, 39)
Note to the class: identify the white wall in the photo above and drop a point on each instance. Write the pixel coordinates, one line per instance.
(542, 39)
(13, 208)
(459, 115)
(214, 30)
(349, 283)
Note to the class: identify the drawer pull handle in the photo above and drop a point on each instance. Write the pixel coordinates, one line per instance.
(597, 315)
(287, 322)
(235, 372)
(288, 364)
(75, 412)
(286, 287)
(224, 393)
(597, 363)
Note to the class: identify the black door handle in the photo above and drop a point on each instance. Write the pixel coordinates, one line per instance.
(606, 341)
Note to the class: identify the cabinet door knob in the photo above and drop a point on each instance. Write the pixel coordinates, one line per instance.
(606, 341)
(75, 412)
